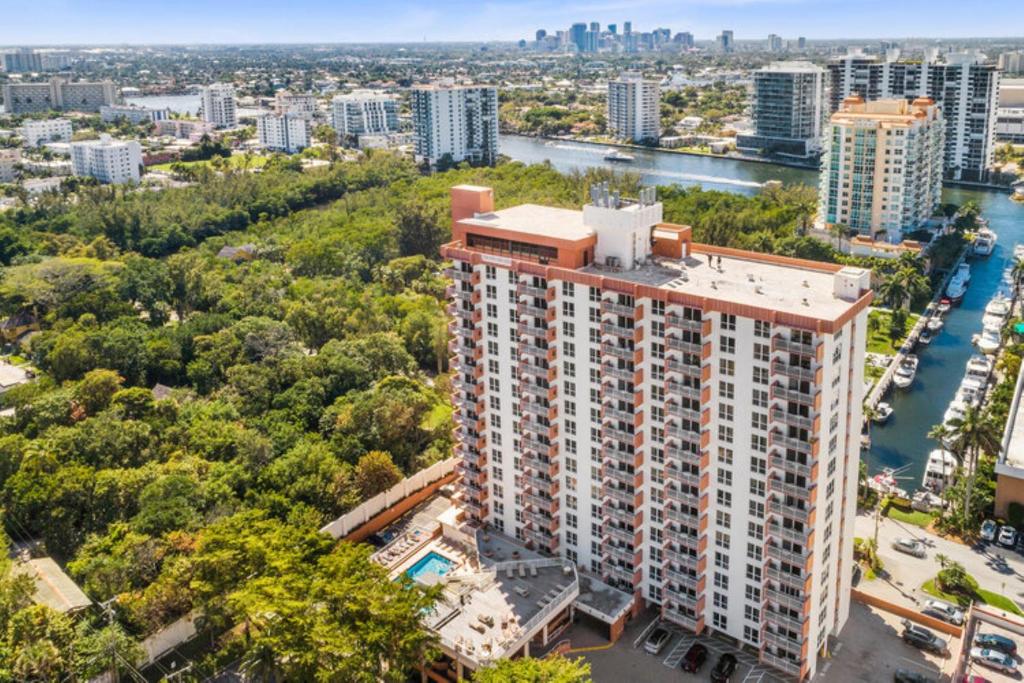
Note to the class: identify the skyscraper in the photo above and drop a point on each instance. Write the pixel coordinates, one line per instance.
(578, 36)
(22, 60)
(965, 88)
(725, 41)
(634, 108)
(283, 132)
(456, 123)
(787, 109)
(881, 173)
(679, 418)
(217, 103)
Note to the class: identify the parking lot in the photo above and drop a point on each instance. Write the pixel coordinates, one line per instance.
(626, 660)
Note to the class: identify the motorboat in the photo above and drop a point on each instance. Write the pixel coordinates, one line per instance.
(938, 472)
(934, 324)
(886, 484)
(971, 390)
(944, 306)
(956, 289)
(925, 337)
(963, 272)
(883, 411)
(989, 340)
(1018, 252)
(904, 375)
(984, 242)
(1000, 306)
(979, 367)
(618, 155)
(955, 411)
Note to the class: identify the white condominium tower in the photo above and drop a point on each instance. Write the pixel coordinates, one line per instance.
(364, 113)
(107, 160)
(965, 88)
(882, 168)
(634, 108)
(283, 132)
(218, 105)
(295, 104)
(681, 419)
(456, 122)
(788, 109)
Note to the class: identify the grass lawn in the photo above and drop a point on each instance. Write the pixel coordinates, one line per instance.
(879, 341)
(983, 596)
(235, 160)
(921, 519)
(873, 372)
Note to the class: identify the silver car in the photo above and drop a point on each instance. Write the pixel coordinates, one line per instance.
(994, 659)
(909, 546)
(944, 611)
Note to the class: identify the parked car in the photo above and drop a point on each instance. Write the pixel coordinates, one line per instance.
(1007, 536)
(971, 678)
(994, 659)
(988, 530)
(907, 676)
(922, 638)
(724, 668)
(994, 641)
(694, 658)
(657, 640)
(909, 546)
(944, 611)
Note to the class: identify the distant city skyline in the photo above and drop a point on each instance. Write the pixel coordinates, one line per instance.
(57, 22)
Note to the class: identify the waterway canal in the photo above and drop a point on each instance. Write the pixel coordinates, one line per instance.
(902, 442)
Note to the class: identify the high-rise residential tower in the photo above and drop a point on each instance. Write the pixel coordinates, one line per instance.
(364, 113)
(963, 85)
(881, 174)
(634, 108)
(218, 105)
(455, 122)
(107, 160)
(681, 419)
(788, 109)
(283, 132)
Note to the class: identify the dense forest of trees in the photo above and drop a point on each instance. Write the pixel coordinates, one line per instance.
(304, 374)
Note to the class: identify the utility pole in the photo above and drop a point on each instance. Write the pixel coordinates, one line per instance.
(108, 609)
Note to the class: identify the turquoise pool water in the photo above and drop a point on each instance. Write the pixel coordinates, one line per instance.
(431, 563)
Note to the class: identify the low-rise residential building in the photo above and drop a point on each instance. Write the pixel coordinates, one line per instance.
(133, 113)
(364, 113)
(108, 160)
(283, 132)
(35, 133)
(881, 174)
(9, 159)
(384, 140)
(58, 94)
(186, 129)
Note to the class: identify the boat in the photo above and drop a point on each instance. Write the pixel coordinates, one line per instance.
(934, 324)
(989, 340)
(956, 289)
(971, 390)
(984, 242)
(904, 375)
(955, 411)
(1018, 252)
(997, 310)
(963, 272)
(886, 484)
(979, 367)
(944, 306)
(883, 411)
(938, 472)
(618, 155)
(925, 337)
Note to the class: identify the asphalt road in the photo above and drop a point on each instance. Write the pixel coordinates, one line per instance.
(996, 568)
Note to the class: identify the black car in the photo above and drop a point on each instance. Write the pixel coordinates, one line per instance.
(922, 638)
(723, 669)
(694, 658)
(904, 676)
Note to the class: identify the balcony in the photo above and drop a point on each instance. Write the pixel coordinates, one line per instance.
(533, 444)
(618, 514)
(622, 495)
(676, 365)
(528, 349)
(621, 476)
(792, 443)
(614, 393)
(678, 344)
(786, 621)
(779, 639)
(784, 664)
(789, 579)
(622, 352)
(792, 466)
(463, 276)
(532, 291)
(793, 420)
(623, 554)
(677, 432)
(625, 535)
(618, 330)
(684, 455)
(471, 295)
(800, 536)
(796, 371)
(548, 374)
(541, 539)
(675, 388)
(780, 343)
(540, 502)
(473, 315)
(539, 484)
(793, 557)
(676, 320)
(615, 308)
(681, 516)
(808, 398)
(628, 417)
(533, 311)
(625, 374)
(684, 579)
(677, 616)
(537, 409)
(538, 391)
(796, 602)
(527, 330)
(691, 414)
(620, 573)
(777, 507)
(471, 457)
(679, 476)
(680, 598)
(679, 496)
(477, 477)
(540, 520)
(679, 540)
(618, 434)
(798, 491)
(619, 456)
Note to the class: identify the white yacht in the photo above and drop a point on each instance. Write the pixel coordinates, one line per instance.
(971, 390)
(984, 242)
(997, 310)
(938, 473)
(883, 411)
(955, 411)
(956, 289)
(944, 306)
(963, 272)
(904, 375)
(934, 324)
(989, 340)
(979, 367)
(618, 155)
(926, 336)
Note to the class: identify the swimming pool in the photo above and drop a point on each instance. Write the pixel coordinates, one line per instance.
(431, 563)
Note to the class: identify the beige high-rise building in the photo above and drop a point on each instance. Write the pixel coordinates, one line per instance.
(881, 174)
(679, 419)
(634, 108)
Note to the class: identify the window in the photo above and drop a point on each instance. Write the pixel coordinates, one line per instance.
(719, 620)
(763, 329)
(751, 613)
(725, 412)
(761, 375)
(726, 390)
(761, 352)
(721, 600)
(724, 477)
(490, 272)
(760, 398)
(729, 322)
(726, 367)
(725, 433)
(568, 289)
(751, 634)
(727, 344)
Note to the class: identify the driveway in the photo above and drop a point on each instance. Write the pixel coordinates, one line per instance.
(996, 568)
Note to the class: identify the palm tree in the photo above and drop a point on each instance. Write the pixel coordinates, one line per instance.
(975, 433)
(941, 434)
(943, 560)
(893, 292)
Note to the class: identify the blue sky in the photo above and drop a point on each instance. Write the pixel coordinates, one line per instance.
(235, 21)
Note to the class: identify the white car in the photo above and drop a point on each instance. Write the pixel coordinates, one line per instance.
(909, 546)
(1007, 536)
(994, 659)
(988, 530)
(944, 611)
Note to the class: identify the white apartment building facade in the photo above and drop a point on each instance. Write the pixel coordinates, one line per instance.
(634, 108)
(107, 160)
(296, 104)
(218, 105)
(36, 133)
(283, 132)
(132, 113)
(788, 109)
(364, 113)
(9, 159)
(681, 419)
(882, 168)
(456, 122)
(962, 84)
